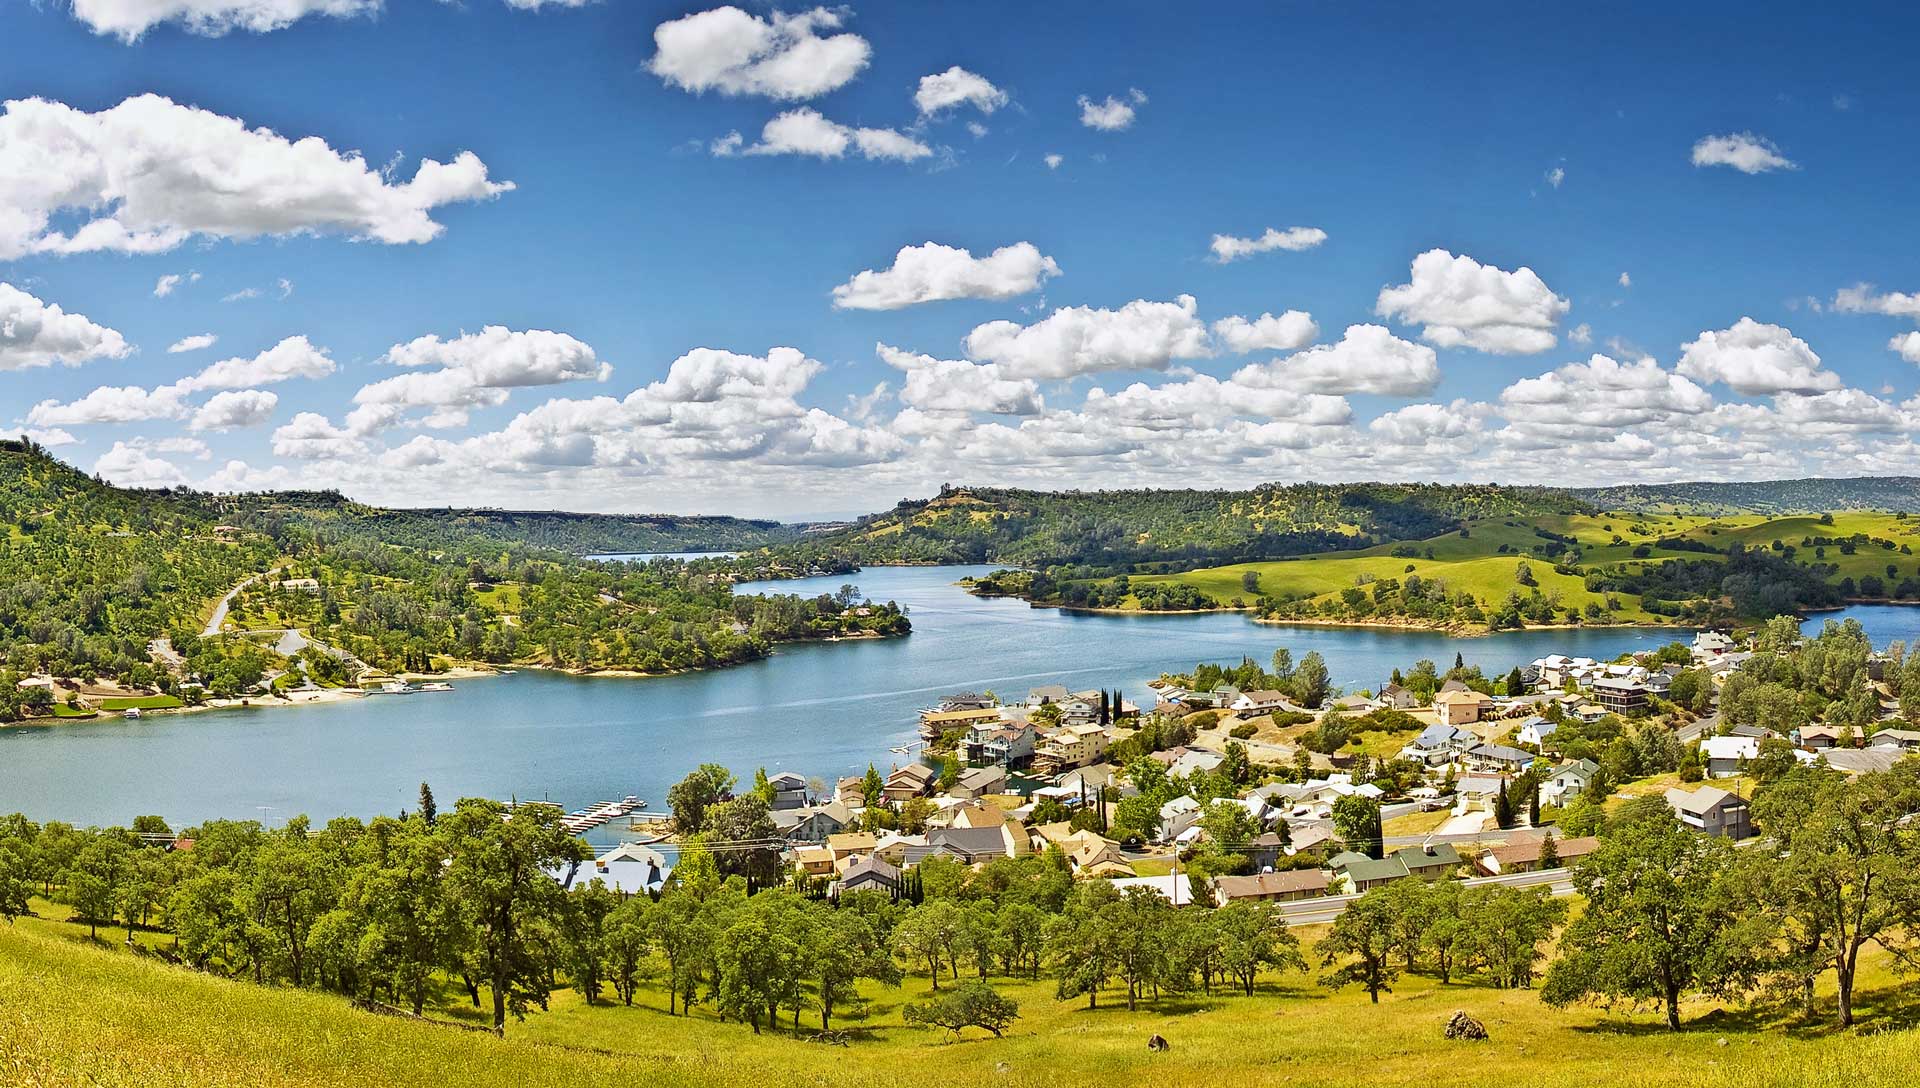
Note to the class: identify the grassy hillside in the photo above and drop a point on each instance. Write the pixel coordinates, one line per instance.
(1851, 551)
(80, 1014)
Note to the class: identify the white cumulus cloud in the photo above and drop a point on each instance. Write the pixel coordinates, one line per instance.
(1463, 303)
(472, 371)
(293, 357)
(782, 56)
(956, 87)
(130, 465)
(148, 174)
(1290, 330)
(955, 385)
(1862, 298)
(1076, 340)
(1908, 346)
(1755, 358)
(804, 131)
(35, 333)
(234, 409)
(1743, 151)
(1112, 114)
(1226, 247)
(1367, 359)
(128, 20)
(192, 343)
(933, 273)
(173, 281)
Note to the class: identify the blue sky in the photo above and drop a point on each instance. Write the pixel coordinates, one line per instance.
(628, 243)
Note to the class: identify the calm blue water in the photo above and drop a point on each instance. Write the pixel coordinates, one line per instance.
(822, 710)
(1883, 622)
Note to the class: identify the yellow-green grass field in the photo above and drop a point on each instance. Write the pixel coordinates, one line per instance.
(79, 1013)
(1474, 563)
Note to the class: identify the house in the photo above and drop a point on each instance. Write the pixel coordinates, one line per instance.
(1264, 851)
(1908, 739)
(1588, 713)
(1430, 861)
(1452, 686)
(910, 781)
(1258, 702)
(869, 874)
(1308, 838)
(1727, 756)
(814, 823)
(1498, 757)
(1757, 732)
(851, 791)
(966, 700)
(1818, 737)
(1712, 811)
(1047, 693)
(971, 845)
(1863, 760)
(1176, 816)
(1074, 746)
(1187, 761)
(813, 860)
(998, 744)
(976, 782)
(1282, 887)
(1438, 745)
(1524, 857)
(1711, 645)
(629, 869)
(1093, 856)
(1175, 888)
(1360, 873)
(1398, 697)
(300, 585)
(1535, 731)
(1461, 707)
(1477, 793)
(1569, 781)
(789, 791)
(851, 843)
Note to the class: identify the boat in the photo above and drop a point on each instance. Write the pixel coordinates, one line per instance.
(132, 714)
(436, 685)
(395, 687)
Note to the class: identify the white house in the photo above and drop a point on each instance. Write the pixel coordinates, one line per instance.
(1725, 756)
(1535, 731)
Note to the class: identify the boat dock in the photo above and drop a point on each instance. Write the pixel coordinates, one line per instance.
(605, 812)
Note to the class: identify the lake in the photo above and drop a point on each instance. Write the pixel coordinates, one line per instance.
(820, 709)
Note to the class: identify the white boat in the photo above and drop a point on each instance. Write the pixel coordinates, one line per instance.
(395, 687)
(436, 685)
(132, 714)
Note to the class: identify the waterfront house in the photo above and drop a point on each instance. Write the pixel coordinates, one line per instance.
(1281, 887)
(1461, 707)
(1710, 646)
(1712, 811)
(977, 782)
(814, 823)
(1359, 873)
(789, 791)
(966, 700)
(913, 780)
(1524, 857)
(1047, 693)
(1727, 756)
(1535, 731)
(935, 724)
(1258, 702)
(1430, 861)
(1074, 746)
(1398, 697)
(999, 744)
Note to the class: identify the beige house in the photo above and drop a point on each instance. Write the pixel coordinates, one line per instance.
(1461, 707)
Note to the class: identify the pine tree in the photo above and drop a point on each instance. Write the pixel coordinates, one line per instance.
(427, 810)
(1533, 808)
(1549, 853)
(1503, 808)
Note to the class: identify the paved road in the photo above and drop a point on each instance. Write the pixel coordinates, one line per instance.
(226, 602)
(1309, 912)
(1705, 727)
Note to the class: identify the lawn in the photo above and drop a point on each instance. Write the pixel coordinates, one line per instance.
(1416, 823)
(95, 1015)
(141, 702)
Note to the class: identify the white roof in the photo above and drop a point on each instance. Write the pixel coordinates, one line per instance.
(1177, 890)
(1729, 747)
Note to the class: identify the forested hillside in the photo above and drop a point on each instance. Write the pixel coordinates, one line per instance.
(1775, 497)
(1109, 528)
(92, 577)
